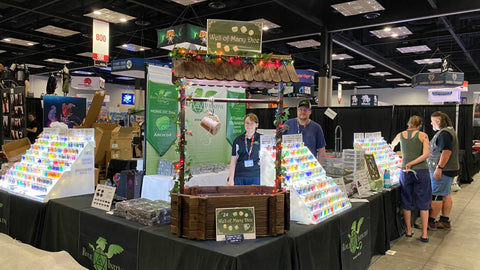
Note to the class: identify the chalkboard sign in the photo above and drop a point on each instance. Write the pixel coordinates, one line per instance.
(372, 167)
(235, 221)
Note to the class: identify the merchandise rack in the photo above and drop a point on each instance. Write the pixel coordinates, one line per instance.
(374, 143)
(59, 164)
(314, 196)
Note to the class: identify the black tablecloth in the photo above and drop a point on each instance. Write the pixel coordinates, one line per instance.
(160, 249)
(4, 211)
(26, 220)
(395, 224)
(91, 236)
(107, 239)
(62, 224)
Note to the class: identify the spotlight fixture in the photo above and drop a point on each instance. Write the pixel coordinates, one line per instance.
(217, 4)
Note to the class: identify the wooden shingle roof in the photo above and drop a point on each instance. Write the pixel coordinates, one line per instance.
(271, 72)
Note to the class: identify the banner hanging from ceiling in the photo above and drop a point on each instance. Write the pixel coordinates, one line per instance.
(101, 40)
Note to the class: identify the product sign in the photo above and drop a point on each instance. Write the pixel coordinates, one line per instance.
(235, 115)
(444, 95)
(101, 40)
(363, 100)
(234, 38)
(235, 221)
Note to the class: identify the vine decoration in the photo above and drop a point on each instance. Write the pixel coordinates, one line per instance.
(182, 166)
(264, 59)
(281, 115)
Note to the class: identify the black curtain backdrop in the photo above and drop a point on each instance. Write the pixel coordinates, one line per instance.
(389, 120)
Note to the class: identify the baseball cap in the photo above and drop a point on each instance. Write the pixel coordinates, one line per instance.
(304, 103)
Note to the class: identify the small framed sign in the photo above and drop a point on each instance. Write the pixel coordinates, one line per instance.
(103, 197)
(235, 224)
(372, 167)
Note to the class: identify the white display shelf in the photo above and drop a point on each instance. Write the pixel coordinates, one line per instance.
(314, 197)
(374, 143)
(59, 164)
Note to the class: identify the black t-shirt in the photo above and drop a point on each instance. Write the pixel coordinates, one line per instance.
(33, 135)
(445, 142)
(239, 149)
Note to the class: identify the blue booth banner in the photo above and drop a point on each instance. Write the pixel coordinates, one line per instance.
(437, 80)
(363, 100)
(306, 77)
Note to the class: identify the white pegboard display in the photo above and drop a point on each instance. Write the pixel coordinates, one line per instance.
(314, 197)
(59, 164)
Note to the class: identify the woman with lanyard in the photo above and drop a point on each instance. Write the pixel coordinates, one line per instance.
(245, 162)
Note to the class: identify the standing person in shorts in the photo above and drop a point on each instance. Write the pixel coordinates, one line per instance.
(443, 165)
(415, 177)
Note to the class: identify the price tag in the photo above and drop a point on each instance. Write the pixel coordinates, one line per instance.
(234, 238)
(103, 197)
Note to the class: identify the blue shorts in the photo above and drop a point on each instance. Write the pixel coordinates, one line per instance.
(443, 186)
(417, 183)
(245, 181)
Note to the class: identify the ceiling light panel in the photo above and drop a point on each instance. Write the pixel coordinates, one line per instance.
(395, 80)
(364, 66)
(188, 2)
(380, 74)
(2, 51)
(133, 47)
(267, 24)
(392, 32)
(363, 86)
(109, 16)
(342, 56)
(86, 54)
(404, 84)
(414, 49)
(428, 61)
(347, 82)
(335, 77)
(57, 60)
(34, 66)
(18, 41)
(304, 43)
(57, 31)
(357, 7)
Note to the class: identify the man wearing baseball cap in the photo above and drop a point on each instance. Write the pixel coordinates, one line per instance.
(311, 131)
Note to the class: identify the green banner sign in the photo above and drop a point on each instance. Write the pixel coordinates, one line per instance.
(235, 115)
(181, 35)
(233, 221)
(162, 108)
(234, 37)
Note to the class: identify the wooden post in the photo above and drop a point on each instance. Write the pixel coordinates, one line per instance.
(181, 147)
(278, 141)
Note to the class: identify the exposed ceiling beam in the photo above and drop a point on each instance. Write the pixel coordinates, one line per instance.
(372, 56)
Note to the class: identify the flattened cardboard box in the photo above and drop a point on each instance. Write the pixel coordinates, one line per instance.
(14, 150)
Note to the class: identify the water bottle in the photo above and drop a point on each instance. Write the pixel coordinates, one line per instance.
(386, 179)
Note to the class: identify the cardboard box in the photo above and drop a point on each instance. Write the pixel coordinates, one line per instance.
(104, 132)
(122, 132)
(94, 109)
(14, 150)
(123, 153)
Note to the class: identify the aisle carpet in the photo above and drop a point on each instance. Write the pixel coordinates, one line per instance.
(15, 255)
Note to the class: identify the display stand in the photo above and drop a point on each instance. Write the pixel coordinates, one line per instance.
(59, 164)
(190, 68)
(374, 143)
(13, 114)
(314, 196)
